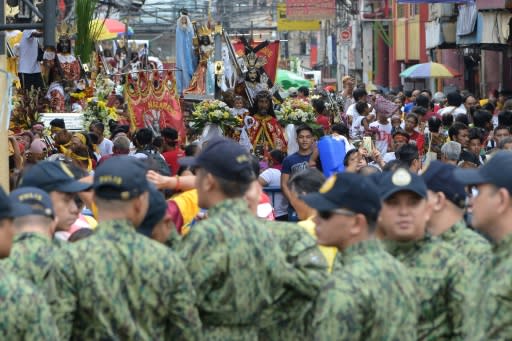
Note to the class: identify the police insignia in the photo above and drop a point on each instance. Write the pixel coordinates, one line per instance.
(401, 178)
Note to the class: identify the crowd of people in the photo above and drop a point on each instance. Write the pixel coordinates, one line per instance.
(135, 236)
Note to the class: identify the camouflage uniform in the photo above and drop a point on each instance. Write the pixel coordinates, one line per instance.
(24, 313)
(441, 276)
(237, 269)
(120, 285)
(372, 298)
(494, 310)
(30, 257)
(469, 243)
(287, 319)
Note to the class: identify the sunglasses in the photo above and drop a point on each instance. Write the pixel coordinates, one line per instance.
(328, 214)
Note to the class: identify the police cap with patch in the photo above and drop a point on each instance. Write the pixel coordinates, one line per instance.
(346, 190)
(120, 178)
(439, 177)
(31, 201)
(401, 180)
(225, 159)
(52, 176)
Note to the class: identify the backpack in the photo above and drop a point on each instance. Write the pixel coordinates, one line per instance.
(156, 162)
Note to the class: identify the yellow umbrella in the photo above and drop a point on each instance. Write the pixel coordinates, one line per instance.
(107, 28)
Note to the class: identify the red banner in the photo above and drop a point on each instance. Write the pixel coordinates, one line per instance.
(310, 10)
(270, 52)
(152, 102)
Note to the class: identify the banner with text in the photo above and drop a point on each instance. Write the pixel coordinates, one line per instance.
(152, 102)
(310, 10)
(285, 24)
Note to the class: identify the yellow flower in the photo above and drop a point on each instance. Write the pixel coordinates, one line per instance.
(112, 113)
(226, 115)
(102, 105)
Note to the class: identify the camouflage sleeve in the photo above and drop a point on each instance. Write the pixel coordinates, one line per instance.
(203, 261)
(173, 240)
(305, 275)
(459, 297)
(183, 315)
(498, 310)
(36, 316)
(303, 255)
(62, 295)
(337, 313)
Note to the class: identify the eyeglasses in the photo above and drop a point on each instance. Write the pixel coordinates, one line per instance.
(328, 214)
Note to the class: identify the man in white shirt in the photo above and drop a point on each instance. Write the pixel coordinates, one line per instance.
(455, 105)
(360, 95)
(105, 145)
(29, 70)
(272, 177)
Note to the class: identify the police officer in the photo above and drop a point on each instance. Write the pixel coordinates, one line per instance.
(492, 214)
(56, 178)
(24, 313)
(439, 271)
(287, 319)
(157, 223)
(372, 297)
(236, 265)
(447, 197)
(118, 284)
(34, 223)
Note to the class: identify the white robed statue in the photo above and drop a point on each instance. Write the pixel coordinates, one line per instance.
(186, 61)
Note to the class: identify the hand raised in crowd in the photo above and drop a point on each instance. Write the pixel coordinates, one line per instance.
(160, 181)
(182, 183)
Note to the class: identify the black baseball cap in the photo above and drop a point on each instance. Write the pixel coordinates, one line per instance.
(225, 159)
(496, 172)
(31, 201)
(401, 180)
(5, 205)
(156, 211)
(439, 177)
(58, 122)
(346, 190)
(120, 178)
(51, 176)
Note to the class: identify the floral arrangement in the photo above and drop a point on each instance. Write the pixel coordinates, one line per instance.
(103, 87)
(296, 111)
(27, 107)
(213, 112)
(98, 110)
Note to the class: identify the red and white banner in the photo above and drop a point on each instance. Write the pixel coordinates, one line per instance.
(152, 102)
(270, 52)
(310, 10)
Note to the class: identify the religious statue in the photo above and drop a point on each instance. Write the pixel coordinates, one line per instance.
(264, 130)
(199, 83)
(185, 57)
(64, 72)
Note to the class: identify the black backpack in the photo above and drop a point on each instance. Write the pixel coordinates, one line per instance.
(156, 162)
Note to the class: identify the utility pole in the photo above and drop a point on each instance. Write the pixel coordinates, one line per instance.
(49, 18)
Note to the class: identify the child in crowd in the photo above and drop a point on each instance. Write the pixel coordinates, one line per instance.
(382, 131)
(239, 107)
(362, 123)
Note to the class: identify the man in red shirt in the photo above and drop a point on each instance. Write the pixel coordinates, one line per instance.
(171, 149)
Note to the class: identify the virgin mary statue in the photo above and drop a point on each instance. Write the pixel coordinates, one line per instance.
(185, 57)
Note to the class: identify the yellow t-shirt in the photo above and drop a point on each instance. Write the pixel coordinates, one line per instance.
(188, 206)
(329, 252)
